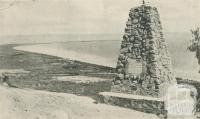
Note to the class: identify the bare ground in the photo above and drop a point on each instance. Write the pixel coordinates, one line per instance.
(31, 104)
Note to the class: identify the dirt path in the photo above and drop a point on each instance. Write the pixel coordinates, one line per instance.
(31, 104)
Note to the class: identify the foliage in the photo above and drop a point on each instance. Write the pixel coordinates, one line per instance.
(195, 43)
(195, 40)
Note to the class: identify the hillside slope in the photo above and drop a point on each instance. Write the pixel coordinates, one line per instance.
(31, 104)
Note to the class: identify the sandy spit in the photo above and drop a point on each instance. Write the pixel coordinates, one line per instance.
(66, 54)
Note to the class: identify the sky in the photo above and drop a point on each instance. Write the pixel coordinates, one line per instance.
(90, 16)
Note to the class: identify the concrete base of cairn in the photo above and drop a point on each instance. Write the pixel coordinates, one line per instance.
(139, 103)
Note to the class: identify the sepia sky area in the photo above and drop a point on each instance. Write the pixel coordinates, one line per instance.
(19, 17)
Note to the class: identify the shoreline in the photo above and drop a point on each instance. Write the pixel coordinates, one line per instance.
(66, 54)
(92, 59)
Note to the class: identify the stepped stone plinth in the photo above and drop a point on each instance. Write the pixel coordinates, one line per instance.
(136, 102)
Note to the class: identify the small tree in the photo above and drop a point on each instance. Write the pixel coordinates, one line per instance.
(195, 43)
(195, 40)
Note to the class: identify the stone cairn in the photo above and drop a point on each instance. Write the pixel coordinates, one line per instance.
(143, 42)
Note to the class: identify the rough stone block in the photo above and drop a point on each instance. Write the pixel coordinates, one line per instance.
(136, 102)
